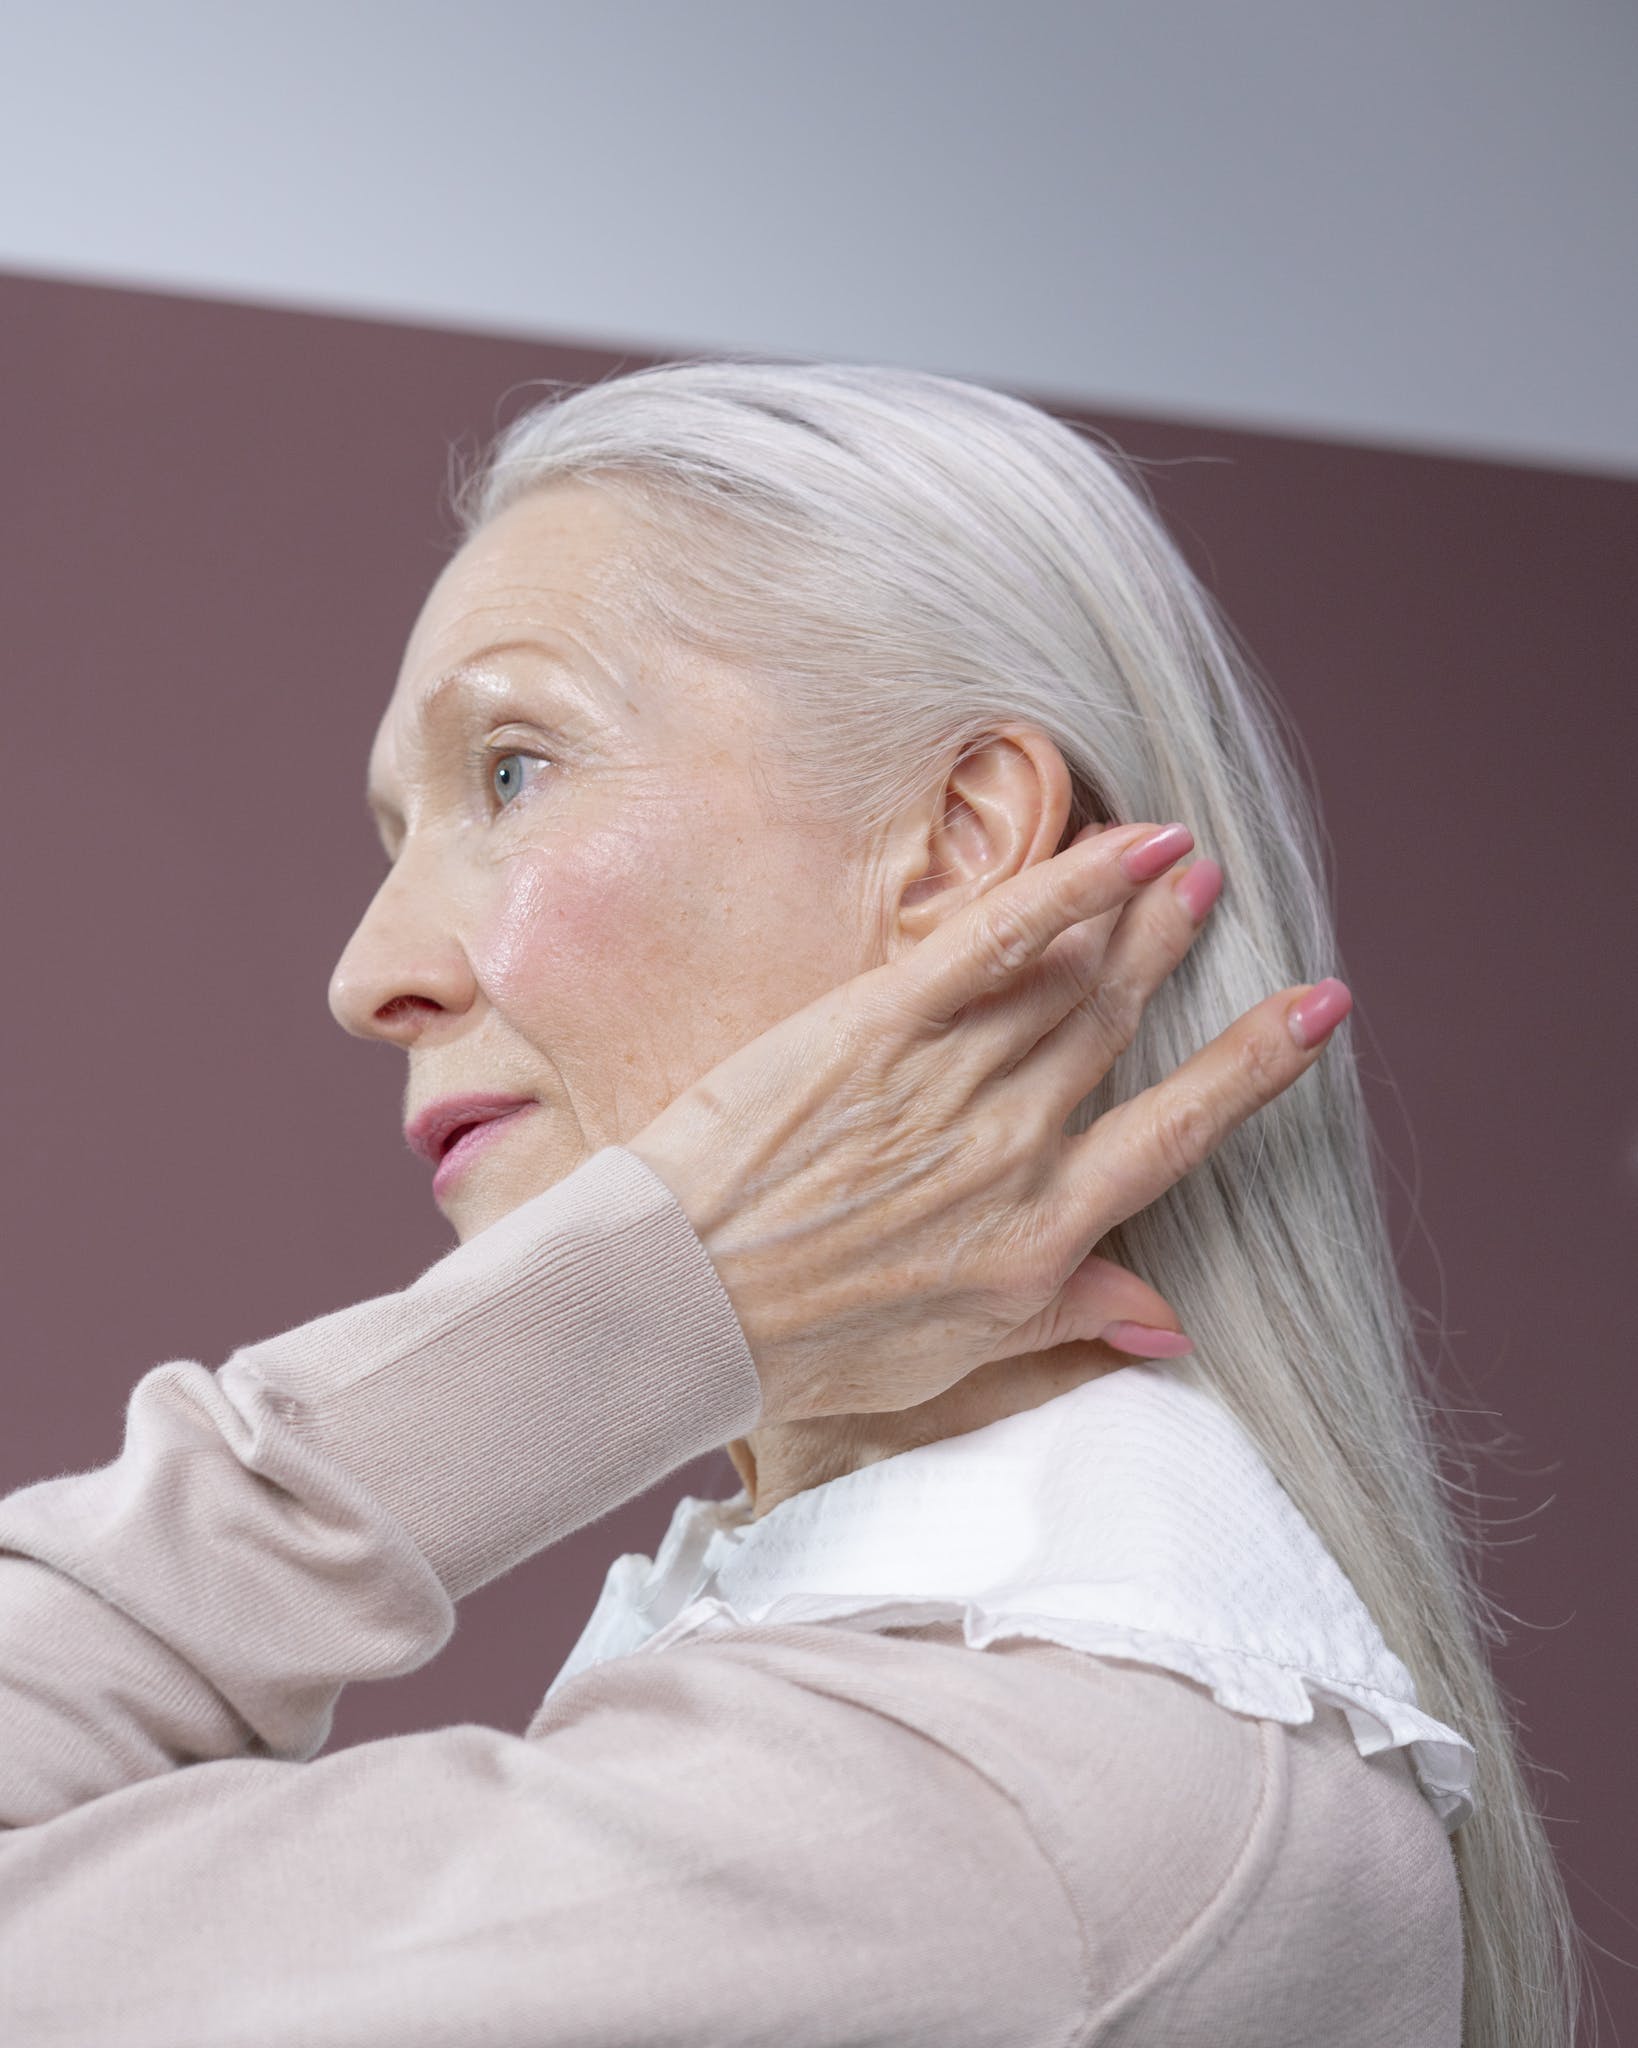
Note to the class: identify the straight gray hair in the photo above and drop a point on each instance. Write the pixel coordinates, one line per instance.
(905, 560)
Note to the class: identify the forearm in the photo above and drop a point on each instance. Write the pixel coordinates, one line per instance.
(307, 1515)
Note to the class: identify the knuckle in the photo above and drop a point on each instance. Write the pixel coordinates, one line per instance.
(1262, 1066)
(1113, 1006)
(1006, 941)
(1039, 1273)
(1185, 1131)
(1034, 1131)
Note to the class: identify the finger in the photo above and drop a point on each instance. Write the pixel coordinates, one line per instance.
(1105, 1303)
(1148, 1143)
(1155, 932)
(1010, 926)
(1046, 992)
(999, 1030)
(1109, 1304)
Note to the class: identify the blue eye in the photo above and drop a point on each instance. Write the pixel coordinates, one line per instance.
(506, 775)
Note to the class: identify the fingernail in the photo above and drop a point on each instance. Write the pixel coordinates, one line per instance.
(1147, 1339)
(1154, 855)
(1319, 1012)
(1199, 885)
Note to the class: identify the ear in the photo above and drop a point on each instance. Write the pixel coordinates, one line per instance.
(1002, 807)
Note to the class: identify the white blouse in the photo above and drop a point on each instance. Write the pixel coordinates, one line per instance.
(1132, 1517)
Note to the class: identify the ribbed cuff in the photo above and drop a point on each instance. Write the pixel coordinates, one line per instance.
(554, 1366)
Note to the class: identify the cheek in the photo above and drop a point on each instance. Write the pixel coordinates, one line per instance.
(513, 927)
(660, 943)
(579, 919)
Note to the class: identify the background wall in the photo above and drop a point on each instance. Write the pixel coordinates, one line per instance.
(1408, 222)
(222, 512)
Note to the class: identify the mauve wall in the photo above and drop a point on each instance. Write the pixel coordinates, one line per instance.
(221, 521)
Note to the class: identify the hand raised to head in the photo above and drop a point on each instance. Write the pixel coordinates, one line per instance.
(883, 1181)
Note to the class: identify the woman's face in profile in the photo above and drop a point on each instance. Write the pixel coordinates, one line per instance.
(594, 893)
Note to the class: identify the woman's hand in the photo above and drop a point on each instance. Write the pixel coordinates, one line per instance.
(882, 1180)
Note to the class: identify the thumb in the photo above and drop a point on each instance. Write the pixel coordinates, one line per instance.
(1104, 1302)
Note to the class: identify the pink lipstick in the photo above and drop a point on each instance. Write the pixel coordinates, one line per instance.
(453, 1130)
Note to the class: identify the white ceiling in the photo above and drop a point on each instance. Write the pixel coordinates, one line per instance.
(1412, 222)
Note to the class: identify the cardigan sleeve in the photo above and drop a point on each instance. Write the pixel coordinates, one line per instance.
(687, 1849)
(308, 1514)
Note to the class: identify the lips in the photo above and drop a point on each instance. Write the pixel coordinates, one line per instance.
(442, 1124)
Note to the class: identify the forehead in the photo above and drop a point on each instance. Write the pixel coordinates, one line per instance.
(532, 591)
(551, 562)
(542, 603)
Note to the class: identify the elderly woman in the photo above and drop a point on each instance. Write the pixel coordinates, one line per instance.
(809, 1063)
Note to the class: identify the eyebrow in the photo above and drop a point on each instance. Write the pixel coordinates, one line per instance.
(463, 680)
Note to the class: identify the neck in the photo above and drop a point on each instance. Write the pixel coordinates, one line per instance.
(789, 1457)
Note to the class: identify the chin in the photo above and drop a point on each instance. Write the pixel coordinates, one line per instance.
(479, 1202)
(471, 1210)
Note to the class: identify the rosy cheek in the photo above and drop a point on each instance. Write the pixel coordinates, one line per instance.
(561, 920)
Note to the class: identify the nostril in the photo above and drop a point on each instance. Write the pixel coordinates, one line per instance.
(402, 1008)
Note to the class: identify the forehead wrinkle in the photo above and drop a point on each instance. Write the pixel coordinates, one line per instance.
(465, 683)
(569, 656)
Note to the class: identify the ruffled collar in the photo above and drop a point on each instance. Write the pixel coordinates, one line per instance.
(1130, 1517)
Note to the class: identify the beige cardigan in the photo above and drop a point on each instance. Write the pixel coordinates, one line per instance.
(786, 1836)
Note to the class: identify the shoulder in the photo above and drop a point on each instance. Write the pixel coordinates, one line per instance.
(1145, 1796)
(1205, 1857)
(792, 1777)
(1236, 1876)
(1032, 1798)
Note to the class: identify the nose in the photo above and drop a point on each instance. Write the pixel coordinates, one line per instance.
(404, 966)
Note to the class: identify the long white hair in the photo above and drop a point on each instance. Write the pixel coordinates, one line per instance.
(903, 560)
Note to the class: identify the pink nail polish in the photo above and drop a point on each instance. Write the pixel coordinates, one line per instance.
(1319, 1012)
(1147, 1340)
(1199, 885)
(1154, 855)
